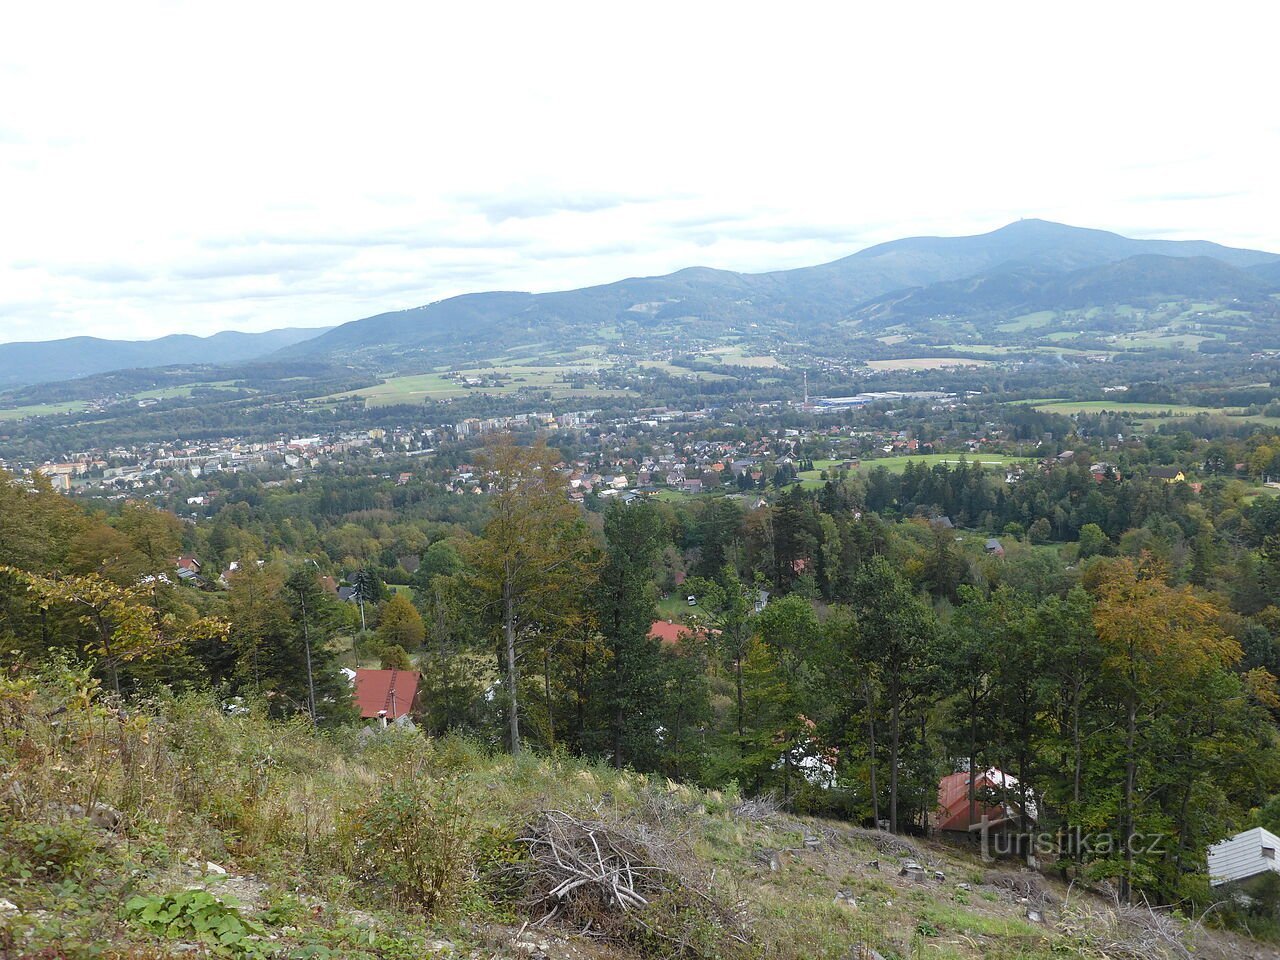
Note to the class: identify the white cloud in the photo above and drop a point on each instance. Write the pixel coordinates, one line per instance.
(192, 167)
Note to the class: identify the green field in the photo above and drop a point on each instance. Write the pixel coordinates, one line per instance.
(419, 388)
(734, 357)
(812, 479)
(1028, 321)
(1068, 407)
(42, 410)
(676, 371)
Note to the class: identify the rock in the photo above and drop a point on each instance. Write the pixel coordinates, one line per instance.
(962, 886)
(101, 816)
(812, 842)
(845, 899)
(7, 908)
(939, 876)
(211, 867)
(1034, 915)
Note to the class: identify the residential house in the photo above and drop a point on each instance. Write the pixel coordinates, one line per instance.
(997, 798)
(386, 695)
(1244, 858)
(1167, 474)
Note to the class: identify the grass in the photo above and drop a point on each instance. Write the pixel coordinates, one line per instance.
(1068, 407)
(674, 370)
(735, 357)
(418, 388)
(42, 409)
(1028, 321)
(320, 833)
(812, 479)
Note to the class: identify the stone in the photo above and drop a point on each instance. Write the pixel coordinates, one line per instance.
(211, 867)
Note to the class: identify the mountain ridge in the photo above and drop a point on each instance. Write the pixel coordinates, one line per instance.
(704, 300)
(28, 362)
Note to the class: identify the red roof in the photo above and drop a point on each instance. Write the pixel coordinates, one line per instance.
(669, 633)
(390, 690)
(953, 801)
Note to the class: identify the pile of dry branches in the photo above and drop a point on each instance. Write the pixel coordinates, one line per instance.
(617, 881)
(756, 809)
(1122, 931)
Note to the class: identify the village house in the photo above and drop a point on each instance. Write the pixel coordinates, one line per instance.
(386, 695)
(1244, 858)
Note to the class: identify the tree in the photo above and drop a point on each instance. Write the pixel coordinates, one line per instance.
(395, 657)
(896, 631)
(400, 624)
(121, 627)
(726, 608)
(624, 601)
(790, 630)
(969, 662)
(1158, 642)
(533, 547)
(1093, 541)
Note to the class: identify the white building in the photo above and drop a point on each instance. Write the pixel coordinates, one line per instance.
(1246, 855)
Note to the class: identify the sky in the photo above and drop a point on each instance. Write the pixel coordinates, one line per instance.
(190, 168)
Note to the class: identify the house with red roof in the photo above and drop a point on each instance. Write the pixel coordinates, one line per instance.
(386, 694)
(997, 799)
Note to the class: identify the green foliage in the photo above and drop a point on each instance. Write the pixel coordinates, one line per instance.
(199, 915)
(413, 842)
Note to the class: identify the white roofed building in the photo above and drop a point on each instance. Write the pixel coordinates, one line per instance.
(1244, 856)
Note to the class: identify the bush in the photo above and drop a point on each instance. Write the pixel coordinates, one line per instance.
(414, 842)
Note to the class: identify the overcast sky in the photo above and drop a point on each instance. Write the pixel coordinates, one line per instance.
(200, 167)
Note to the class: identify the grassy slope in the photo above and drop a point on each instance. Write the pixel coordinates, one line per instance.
(279, 807)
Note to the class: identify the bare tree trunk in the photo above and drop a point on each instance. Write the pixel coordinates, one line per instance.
(1130, 779)
(546, 692)
(973, 761)
(737, 676)
(895, 734)
(871, 737)
(509, 635)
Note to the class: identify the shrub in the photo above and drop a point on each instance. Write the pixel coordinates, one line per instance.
(414, 841)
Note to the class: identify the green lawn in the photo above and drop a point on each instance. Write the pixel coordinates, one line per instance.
(811, 479)
(1068, 407)
(1028, 321)
(42, 410)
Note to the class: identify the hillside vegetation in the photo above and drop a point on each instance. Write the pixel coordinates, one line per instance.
(179, 827)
